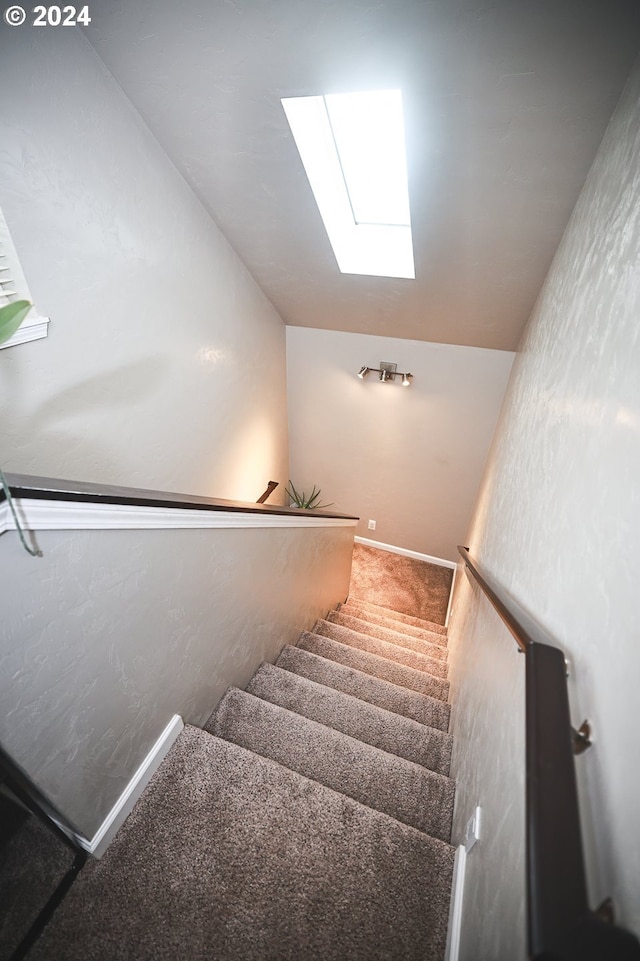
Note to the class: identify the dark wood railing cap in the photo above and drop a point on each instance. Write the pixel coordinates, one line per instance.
(49, 488)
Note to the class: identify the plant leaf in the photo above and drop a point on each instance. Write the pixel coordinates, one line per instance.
(306, 502)
(294, 495)
(11, 316)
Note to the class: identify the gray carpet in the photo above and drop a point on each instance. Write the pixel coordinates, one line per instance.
(434, 633)
(231, 856)
(386, 649)
(311, 819)
(381, 728)
(400, 583)
(430, 645)
(393, 785)
(374, 690)
(397, 616)
(374, 664)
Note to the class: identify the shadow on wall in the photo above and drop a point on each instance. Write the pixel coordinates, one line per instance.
(120, 389)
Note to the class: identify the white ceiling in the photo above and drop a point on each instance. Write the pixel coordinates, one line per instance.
(505, 101)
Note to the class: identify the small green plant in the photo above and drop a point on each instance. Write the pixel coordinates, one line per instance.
(11, 316)
(308, 502)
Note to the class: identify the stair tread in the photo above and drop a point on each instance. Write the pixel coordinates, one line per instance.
(430, 648)
(386, 649)
(404, 790)
(275, 858)
(374, 664)
(422, 708)
(398, 615)
(431, 633)
(381, 728)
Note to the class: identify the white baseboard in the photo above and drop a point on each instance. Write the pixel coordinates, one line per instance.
(453, 584)
(100, 841)
(455, 908)
(440, 561)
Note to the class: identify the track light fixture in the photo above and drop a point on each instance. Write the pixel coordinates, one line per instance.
(386, 372)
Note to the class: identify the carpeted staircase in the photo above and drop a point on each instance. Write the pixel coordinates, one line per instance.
(310, 820)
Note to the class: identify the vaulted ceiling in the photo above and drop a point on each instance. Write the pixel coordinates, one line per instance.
(505, 102)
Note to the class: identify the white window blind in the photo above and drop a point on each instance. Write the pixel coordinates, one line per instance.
(13, 286)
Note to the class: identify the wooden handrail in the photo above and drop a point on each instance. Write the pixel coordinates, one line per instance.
(271, 486)
(561, 927)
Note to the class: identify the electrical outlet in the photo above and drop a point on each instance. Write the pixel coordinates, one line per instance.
(472, 833)
(372, 525)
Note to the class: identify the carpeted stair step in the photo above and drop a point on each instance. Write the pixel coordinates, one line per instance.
(391, 697)
(374, 664)
(433, 649)
(231, 856)
(342, 712)
(393, 652)
(399, 788)
(434, 637)
(397, 615)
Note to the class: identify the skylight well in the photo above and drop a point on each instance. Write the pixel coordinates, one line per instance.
(352, 148)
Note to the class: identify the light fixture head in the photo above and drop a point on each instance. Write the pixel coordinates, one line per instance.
(387, 373)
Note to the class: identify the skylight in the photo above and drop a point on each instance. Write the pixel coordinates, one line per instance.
(352, 148)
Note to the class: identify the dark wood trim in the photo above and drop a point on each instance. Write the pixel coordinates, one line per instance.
(557, 890)
(271, 486)
(49, 488)
(560, 925)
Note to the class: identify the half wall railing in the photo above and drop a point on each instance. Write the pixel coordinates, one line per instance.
(47, 504)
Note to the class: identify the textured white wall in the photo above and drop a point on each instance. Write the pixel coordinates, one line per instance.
(165, 364)
(110, 633)
(410, 458)
(558, 514)
(487, 695)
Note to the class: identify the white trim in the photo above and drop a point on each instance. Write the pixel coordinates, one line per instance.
(125, 803)
(406, 553)
(455, 906)
(57, 515)
(33, 328)
(453, 584)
